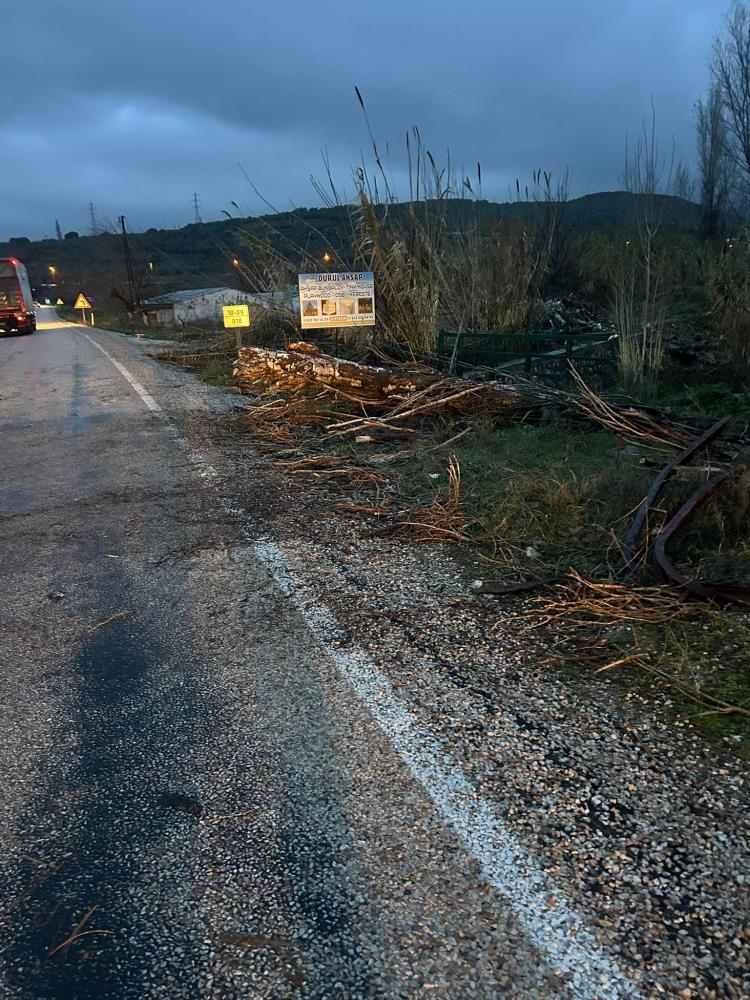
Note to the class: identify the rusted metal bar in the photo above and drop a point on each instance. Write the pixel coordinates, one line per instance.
(722, 595)
(630, 548)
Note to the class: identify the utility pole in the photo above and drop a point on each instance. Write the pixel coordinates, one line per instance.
(196, 207)
(133, 298)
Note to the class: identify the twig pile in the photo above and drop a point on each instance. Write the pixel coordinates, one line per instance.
(333, 467)
(628, 421)
(279, 419)
(347, 398)
(579, 603)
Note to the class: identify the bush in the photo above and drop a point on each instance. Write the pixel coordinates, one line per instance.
(712, 400)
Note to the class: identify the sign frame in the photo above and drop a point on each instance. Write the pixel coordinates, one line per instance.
(236, 316)
(336, 299)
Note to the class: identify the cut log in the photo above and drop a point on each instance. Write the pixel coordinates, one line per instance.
(302, 363)
(391, 396)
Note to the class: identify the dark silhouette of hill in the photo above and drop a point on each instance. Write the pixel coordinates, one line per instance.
(201, 254)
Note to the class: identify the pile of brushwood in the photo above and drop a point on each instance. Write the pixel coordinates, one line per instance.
(346, 422)
(346, 398)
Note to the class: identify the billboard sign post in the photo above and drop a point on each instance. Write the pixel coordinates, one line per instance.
(337, 299)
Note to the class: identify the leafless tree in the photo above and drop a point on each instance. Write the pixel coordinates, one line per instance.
(730, 71)
(713, 161)
(639, 292)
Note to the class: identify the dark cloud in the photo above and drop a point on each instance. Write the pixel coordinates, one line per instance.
(136, 105)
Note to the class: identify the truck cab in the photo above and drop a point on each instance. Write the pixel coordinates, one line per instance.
(16, 303)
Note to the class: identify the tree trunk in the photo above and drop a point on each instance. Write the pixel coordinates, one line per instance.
(304, 362)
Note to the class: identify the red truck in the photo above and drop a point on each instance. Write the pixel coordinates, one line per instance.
(16, 304)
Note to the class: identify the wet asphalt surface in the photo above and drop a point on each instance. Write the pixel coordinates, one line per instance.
(193, 803)
(173, 786)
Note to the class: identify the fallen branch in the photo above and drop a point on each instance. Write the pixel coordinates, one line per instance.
(386, 398)
(306, 364)
(628, 421)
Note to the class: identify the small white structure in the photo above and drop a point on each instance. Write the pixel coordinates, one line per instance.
(195, 305)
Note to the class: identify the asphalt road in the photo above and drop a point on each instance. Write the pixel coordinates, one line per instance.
(204, 792)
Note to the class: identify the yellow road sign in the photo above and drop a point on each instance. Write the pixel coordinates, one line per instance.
(59, 302)
(82, 302)
(236, 316)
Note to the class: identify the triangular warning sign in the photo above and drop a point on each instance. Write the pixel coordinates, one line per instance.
(82, 302)
(59, 302)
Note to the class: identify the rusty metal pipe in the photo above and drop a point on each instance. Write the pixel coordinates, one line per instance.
(722, 595)
(631, 542)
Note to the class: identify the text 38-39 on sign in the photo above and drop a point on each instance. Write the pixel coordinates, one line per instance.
(236, 316)
(339, 299)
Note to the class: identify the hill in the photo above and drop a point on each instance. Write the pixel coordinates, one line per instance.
(201, 254)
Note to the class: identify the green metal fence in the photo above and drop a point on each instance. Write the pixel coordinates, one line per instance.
(545, 354)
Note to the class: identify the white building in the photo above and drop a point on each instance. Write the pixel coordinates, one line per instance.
(195, 305)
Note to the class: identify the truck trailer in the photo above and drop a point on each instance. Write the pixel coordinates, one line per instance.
(16, 303)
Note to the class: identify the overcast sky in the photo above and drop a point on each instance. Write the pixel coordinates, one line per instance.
(136, 104)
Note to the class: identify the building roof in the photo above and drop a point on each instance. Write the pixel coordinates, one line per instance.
(170, 298)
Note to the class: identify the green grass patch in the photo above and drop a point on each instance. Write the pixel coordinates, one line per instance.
(550, 497)
(712, 399)
(546, 499)
(710, 654)
(217, 371)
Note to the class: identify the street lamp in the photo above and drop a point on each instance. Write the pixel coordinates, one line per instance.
(52, 270)
(326, 258)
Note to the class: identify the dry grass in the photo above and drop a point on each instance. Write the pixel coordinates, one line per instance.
(77, 933)
(435, 257)
(443, 520)
(580, 603)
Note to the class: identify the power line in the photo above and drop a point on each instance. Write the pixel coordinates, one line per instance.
(196, 207)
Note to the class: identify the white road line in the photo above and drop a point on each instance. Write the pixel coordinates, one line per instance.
(552, 924)
(135, 384)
